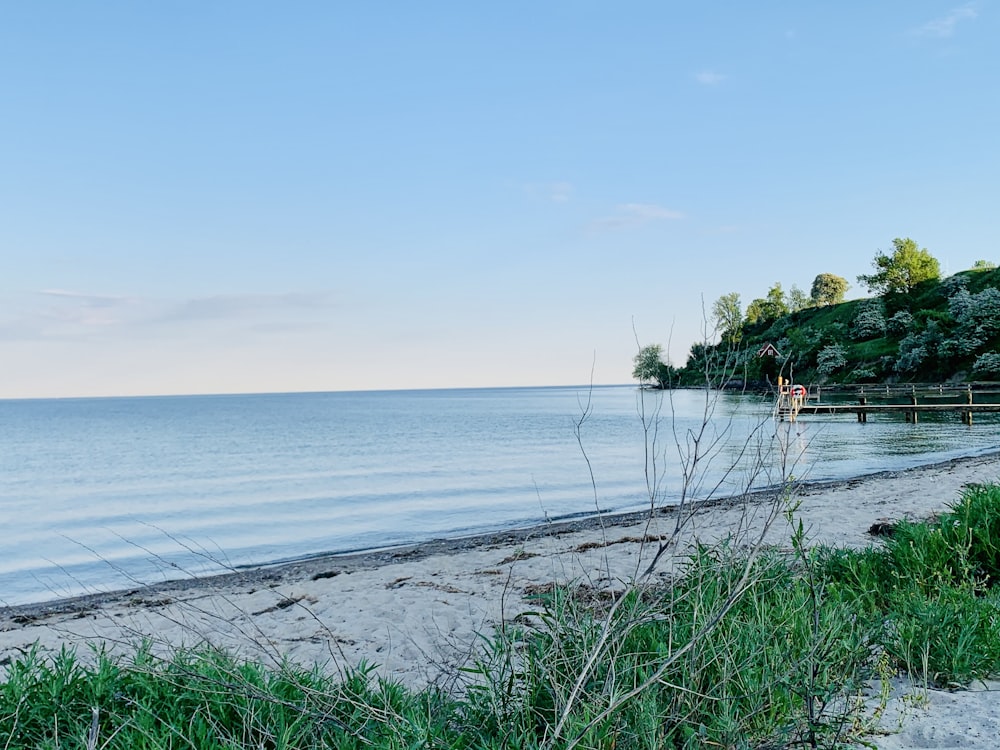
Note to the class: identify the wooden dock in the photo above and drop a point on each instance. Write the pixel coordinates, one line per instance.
(794, 401)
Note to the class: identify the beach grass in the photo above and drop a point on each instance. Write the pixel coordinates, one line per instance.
(766, 648)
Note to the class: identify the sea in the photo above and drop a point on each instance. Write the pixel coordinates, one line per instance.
(99, 494)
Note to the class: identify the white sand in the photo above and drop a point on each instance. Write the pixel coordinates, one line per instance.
(415, 612)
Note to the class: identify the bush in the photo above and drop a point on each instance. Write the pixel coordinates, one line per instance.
(830, 358)
(919, 350)
(869, 322)
(900, 323)
(947, 638)
(987, 364)
(977, 317)
(934, 589)
(953, 284)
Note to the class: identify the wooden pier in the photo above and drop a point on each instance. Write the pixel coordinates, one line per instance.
(796, 400)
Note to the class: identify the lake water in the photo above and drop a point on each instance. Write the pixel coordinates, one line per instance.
(97, 494)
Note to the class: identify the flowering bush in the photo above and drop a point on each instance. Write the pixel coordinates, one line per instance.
(899, 324)
(987, 364)
(869, 322)
(830, 358)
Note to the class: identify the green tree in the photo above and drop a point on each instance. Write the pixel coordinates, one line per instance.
(776, 303)
(771, 307)
(649, 366)
(983, 265)
(728, 317)
(797, 299)
(757, 311)
(898, 273)
(828, 289)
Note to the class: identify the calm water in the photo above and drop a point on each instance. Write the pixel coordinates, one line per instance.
(99, 493)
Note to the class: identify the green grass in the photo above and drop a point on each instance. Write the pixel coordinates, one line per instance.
(935, 586)
(763, 651)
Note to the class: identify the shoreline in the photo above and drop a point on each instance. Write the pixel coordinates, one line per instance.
(418, 614)
(335, 563)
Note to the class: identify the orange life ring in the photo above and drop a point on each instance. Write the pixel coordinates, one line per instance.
(798, 391)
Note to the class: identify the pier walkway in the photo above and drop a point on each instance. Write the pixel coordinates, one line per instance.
(796, 400)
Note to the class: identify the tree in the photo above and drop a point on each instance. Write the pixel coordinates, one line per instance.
(900, 272)
(797, 299)
(776, 304)
(983, 265)
(649, 367)
(828, 289)
(757, 311)
(728, 317)
(771, 307)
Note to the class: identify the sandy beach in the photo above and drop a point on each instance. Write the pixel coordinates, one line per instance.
(416, 611)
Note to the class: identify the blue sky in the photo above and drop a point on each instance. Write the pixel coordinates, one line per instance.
(204, 197)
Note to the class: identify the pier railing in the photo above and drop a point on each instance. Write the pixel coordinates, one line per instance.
(909, 399)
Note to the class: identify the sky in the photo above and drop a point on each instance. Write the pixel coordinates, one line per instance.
(242, 196)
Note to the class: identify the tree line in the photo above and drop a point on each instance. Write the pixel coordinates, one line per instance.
(915, 325)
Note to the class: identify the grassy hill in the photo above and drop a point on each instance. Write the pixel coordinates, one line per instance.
(942, 331)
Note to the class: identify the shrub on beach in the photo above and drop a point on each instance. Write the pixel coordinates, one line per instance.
(933, 586)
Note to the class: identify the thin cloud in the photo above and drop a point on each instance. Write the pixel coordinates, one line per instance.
(556, 192)
(88, 300)
(560, 192)
(945, 26)
(48, 314)
(78, 308)
(241, 306)
(635, 214)
(709, 77)
(64, 314)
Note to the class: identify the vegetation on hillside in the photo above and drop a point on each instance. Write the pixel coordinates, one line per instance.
(917, 327)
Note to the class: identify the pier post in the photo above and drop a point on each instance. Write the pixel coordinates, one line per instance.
(862, 414)
(912, 416)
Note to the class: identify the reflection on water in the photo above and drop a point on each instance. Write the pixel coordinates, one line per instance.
(253, 479)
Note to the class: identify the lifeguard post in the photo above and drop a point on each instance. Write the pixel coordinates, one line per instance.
(791, 399)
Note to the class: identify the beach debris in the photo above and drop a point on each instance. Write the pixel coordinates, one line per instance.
(882, 527)
(519, 555)
(284, 603)
(325, 574)
(647, 539)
